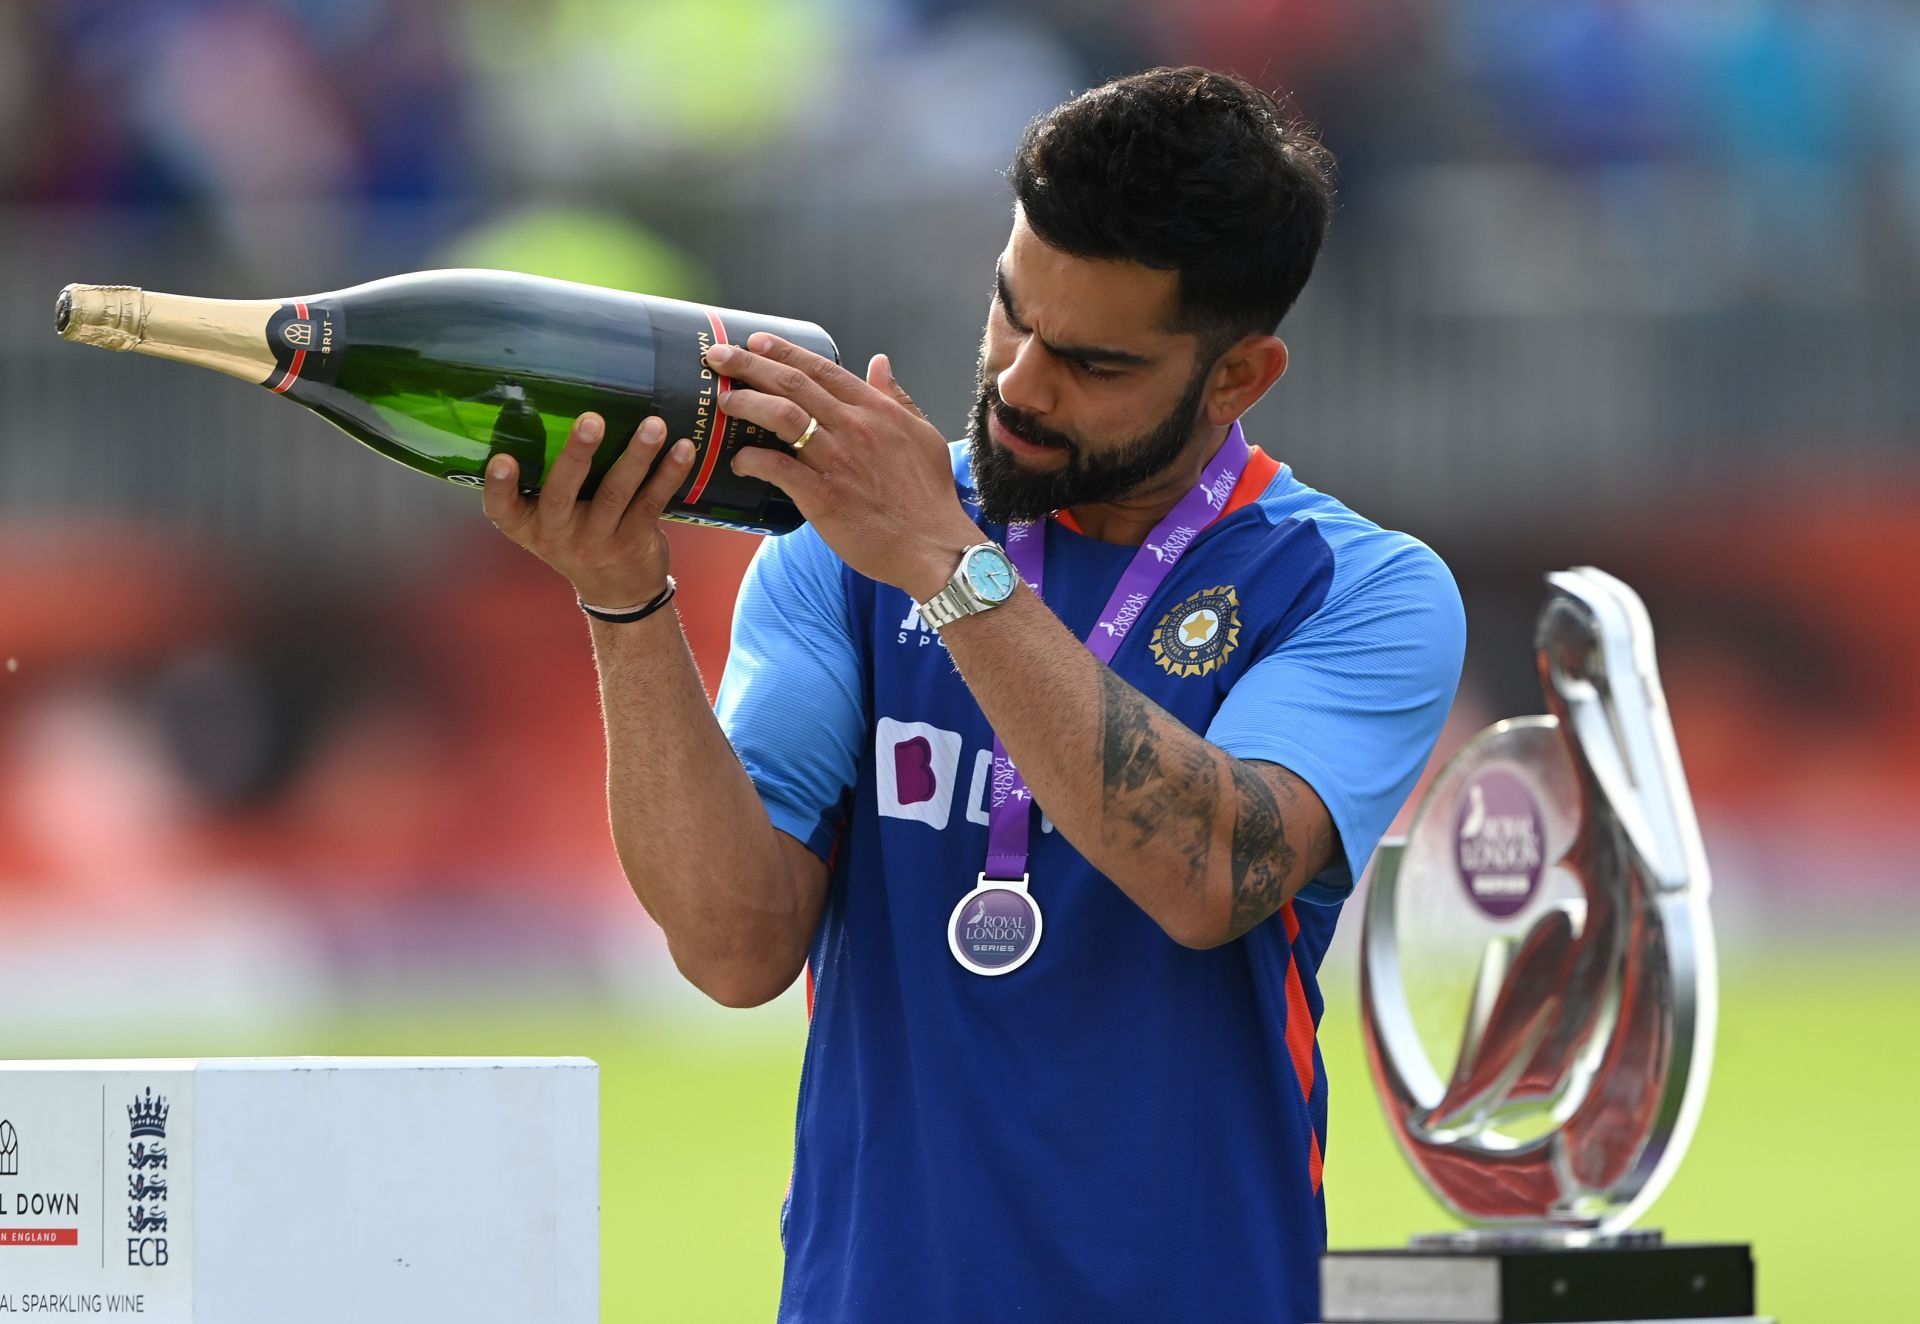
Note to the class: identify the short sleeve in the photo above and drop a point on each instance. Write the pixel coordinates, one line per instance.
(1353, 700)
(791, 699)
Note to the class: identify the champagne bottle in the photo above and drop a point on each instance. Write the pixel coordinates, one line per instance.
(442, 370)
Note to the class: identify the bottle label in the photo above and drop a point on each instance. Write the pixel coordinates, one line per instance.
(308, 340)
(687, 394)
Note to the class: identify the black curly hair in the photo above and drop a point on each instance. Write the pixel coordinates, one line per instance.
(1185, 170)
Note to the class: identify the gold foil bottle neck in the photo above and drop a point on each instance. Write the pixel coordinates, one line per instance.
(110, 316)
(226, 335)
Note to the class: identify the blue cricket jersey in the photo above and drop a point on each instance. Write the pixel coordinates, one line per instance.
(1124, 1128)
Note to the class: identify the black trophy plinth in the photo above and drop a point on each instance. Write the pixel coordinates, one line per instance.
(1497, 1284)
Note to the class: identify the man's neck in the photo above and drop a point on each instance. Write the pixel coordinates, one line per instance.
(1131, 518)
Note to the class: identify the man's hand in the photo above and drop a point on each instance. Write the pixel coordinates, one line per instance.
(874, 480)
(610, 548)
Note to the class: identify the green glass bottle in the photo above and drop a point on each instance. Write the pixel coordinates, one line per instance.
(442, 370)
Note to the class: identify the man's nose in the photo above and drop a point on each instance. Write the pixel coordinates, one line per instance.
(1023, 384)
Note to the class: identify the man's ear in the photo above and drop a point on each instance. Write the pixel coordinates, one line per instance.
(1243, 374)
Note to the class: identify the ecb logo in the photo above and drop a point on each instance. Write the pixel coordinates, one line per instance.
(146, 1179)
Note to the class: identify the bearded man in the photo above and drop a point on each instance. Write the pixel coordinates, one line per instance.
(1049, 756)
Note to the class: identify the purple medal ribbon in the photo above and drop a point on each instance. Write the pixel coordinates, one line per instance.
(1009, 819)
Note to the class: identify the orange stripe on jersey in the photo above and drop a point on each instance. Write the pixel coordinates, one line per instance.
(1300, 1032)
(1254, 480)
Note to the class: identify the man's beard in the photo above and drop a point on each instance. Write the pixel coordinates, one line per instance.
(1008, 495)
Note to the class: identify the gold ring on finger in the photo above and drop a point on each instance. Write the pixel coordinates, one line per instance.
(800, 442)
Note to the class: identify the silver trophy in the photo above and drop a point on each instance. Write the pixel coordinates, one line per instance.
(1538, 991)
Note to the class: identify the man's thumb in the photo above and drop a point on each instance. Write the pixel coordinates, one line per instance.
(880, 377)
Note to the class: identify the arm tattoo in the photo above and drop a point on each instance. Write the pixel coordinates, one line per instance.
(1160, 780)
(1263, 858)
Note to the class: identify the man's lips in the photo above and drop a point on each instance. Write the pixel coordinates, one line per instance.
(1013, 441)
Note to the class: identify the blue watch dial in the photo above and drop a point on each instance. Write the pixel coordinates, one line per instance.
(990, 574)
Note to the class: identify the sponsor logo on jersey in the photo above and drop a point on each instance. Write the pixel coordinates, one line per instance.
(1198, 634)
(917, 770)
(917, 766)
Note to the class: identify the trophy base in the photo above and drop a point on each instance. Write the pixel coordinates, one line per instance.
(1490, 1282)
(1536, 1236)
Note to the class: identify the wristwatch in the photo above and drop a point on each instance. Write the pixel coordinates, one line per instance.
(984, 579)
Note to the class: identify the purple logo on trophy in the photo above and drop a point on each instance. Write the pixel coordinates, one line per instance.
(1500, 842)
(995, 928)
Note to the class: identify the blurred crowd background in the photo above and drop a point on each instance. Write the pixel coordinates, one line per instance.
(1613, 281)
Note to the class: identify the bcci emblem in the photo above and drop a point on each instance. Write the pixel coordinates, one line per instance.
(1196, 636)
(298, 334)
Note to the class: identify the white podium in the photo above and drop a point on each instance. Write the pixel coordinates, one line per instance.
(301, 1190)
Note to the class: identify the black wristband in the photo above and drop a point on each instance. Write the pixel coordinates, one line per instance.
(628, 615)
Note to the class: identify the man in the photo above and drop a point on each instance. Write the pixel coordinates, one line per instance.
(1061, 1065)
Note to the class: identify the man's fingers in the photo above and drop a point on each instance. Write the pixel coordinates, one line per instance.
(788, 371)
(839, 383)
(501, 498)
(784, 471)
(623, 478)
(783, 418)
(561, 489)
(659, 489)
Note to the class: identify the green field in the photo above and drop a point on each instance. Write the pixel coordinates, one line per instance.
(1805, 1150)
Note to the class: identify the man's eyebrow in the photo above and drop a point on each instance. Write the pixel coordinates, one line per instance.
(1073, 353)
